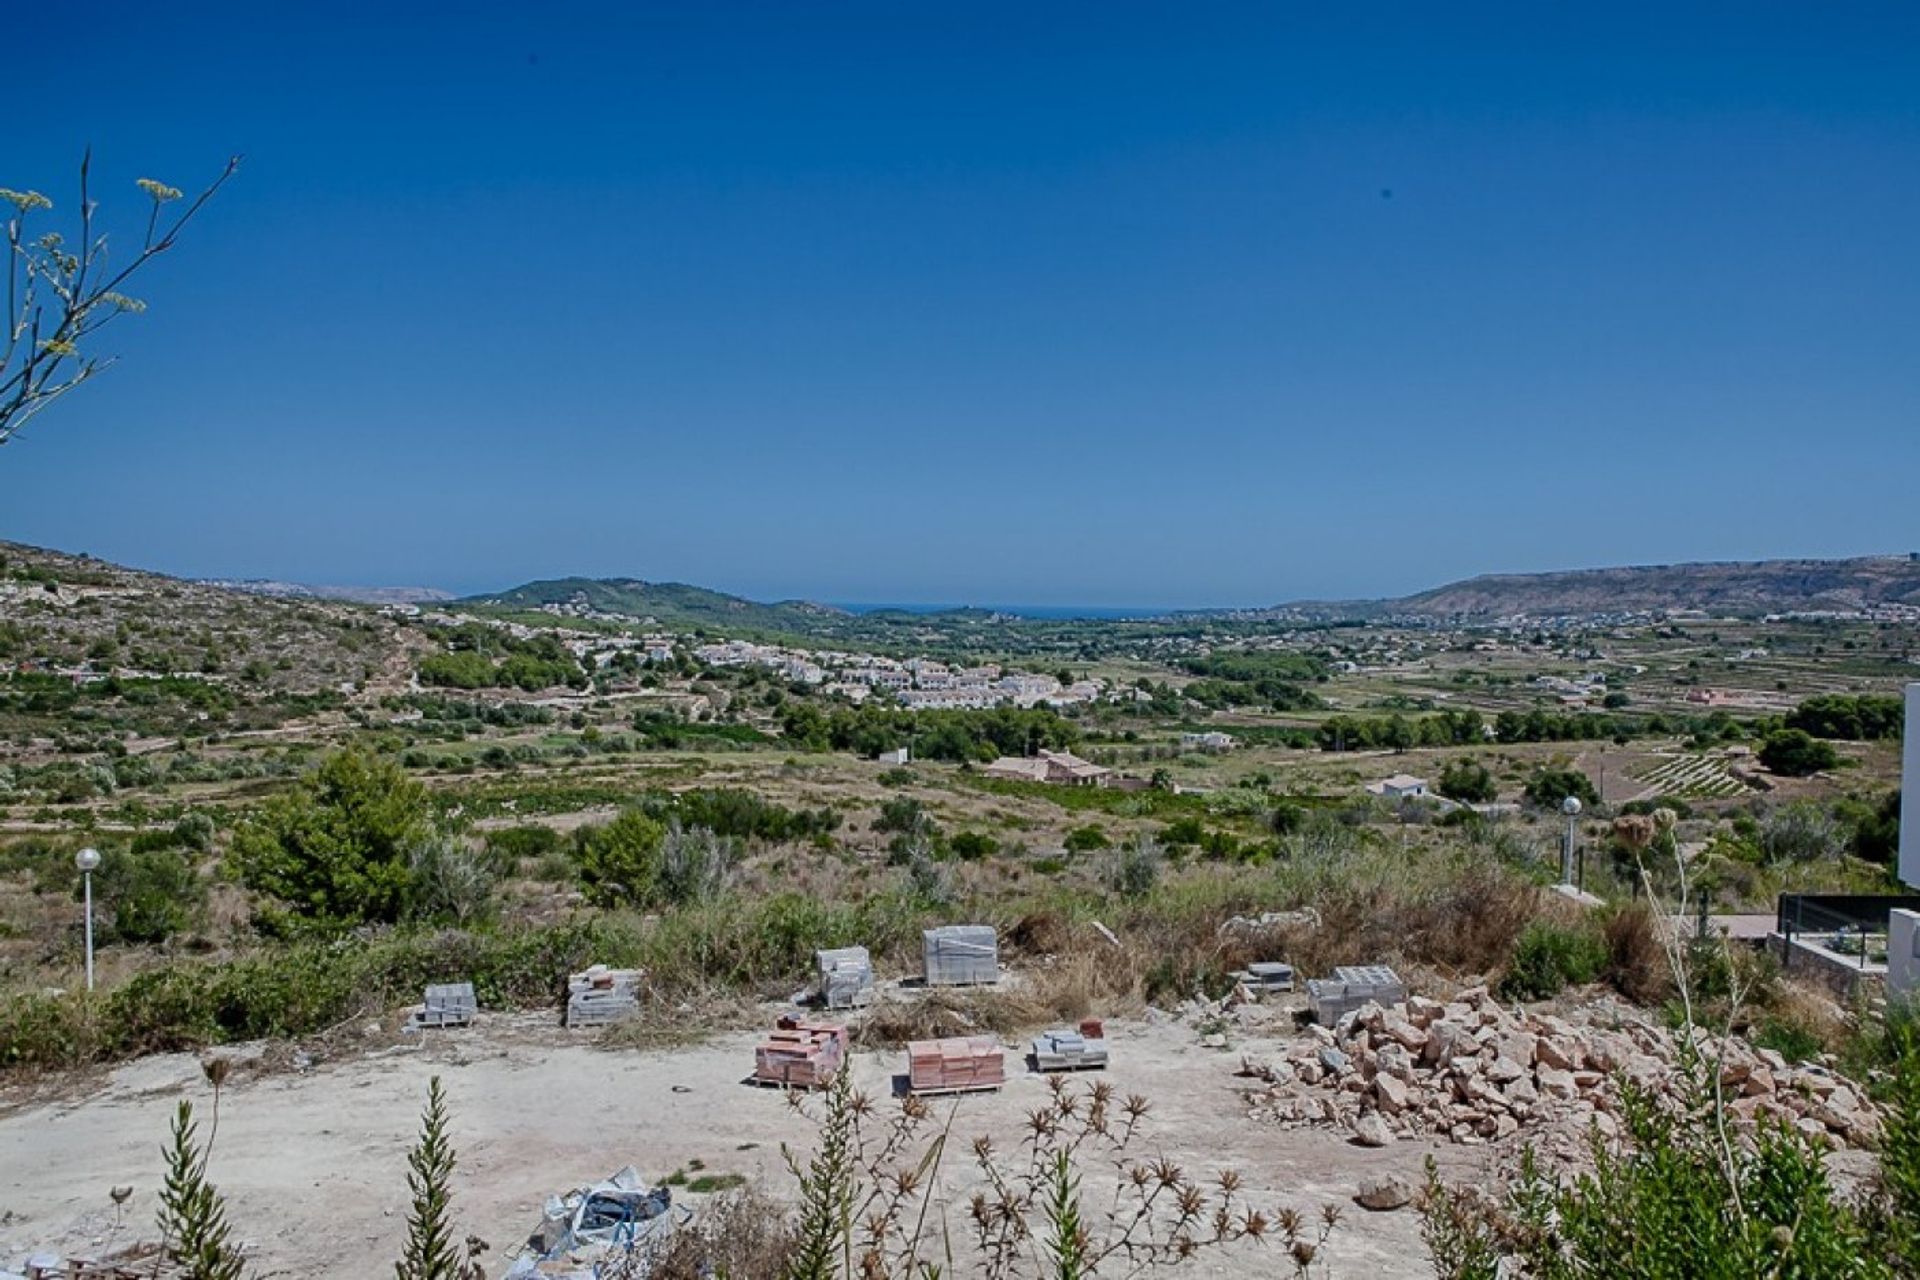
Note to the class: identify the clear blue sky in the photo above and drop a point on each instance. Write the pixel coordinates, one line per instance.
(1117, 304)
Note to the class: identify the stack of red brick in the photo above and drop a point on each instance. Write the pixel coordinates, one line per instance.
(962, 1063)
(801, 1054)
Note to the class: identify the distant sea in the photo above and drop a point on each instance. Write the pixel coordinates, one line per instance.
(1043, 612)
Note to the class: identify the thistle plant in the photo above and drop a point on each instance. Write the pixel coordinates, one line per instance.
(872, 1201)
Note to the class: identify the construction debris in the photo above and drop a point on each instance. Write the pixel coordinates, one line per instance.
(589, 1230)
(141, 1261)
(964, 1064)
(800, 1054)
(449, 1004)
(846, 977)
(1304, 919)
(602, 995)
(1330, 999)
(1474, 1073)
(960, 955)
(1063, 1050)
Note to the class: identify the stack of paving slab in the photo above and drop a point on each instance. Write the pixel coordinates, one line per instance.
(964, 1064)
(448, 1004)
(602, 995)
(1330, 999)
(800, 1054)
(846, 977)
(1266, 976)
(960, 955)
(1063, 1050)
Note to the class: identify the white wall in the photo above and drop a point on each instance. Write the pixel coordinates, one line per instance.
(1903, 951)
(1910, 793)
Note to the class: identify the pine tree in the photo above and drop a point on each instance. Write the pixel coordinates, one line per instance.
(430, 1252)
(193, 1217)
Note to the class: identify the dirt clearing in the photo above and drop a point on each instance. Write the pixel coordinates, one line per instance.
(313, 1163)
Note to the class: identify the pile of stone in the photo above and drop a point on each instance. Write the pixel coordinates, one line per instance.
(1472, 1072)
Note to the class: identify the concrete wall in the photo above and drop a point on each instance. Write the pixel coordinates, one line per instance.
(1903, 952)
(1910, 791)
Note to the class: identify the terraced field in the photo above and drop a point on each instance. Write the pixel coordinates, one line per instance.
(1692, 777)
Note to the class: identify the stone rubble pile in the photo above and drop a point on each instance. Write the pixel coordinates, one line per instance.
(1472, 1072)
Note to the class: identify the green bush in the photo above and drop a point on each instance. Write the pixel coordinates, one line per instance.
(147, 895)
(1795, 753)
(1549, 957)
(1467, 781)
(1549, 787)
(1085, 840)
(334, 852)
(620, 861)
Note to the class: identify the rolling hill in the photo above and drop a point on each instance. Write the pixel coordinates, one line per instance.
(671, 604)
(1724, 588)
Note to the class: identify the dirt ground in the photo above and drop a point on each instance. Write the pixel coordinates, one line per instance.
(313, 1162)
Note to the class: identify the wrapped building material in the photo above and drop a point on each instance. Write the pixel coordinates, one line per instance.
(846, 977)
(1330, 999)
(448, 1004)
(592, 1231)
(602, 995)
(963, 1064)
(1063, 1050)
(960, 955)
(800, 1054)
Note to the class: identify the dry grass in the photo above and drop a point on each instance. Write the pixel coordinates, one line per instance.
(678, 1026)
(741, 1235)
(1636, 962)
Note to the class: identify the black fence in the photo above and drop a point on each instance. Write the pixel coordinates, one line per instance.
(1845, 923)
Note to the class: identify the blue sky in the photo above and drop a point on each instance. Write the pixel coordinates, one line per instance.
(1117, 304)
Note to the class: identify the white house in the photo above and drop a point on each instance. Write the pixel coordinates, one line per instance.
(1401, 786)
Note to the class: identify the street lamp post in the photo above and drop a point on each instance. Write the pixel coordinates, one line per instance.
(1571, 807)
(86, 860)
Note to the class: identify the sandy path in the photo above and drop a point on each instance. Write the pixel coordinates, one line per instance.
(313, 1164)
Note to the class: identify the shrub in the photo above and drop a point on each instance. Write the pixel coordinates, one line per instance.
(507, 847)
(334, 851)
(449, 882)
(973, 846)
(695, 865)
(1549, 787)
(620, 861)
(1468, 781)
(1085, 840)
(1135, 867)
(1795, 753)
(1549, 957)
(147, 896)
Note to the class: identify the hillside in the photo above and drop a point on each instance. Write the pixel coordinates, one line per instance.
(349, 594)
(182, 654)
(1727, 588)
(671, 604)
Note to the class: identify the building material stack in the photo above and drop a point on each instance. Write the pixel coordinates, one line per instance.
(960, 955)
(846, 977)
(448, 1004)
(964, 1064)
(1063, 1050)
(1330, 999)
(602, 995)
(800, 1054)
(1266, 976)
